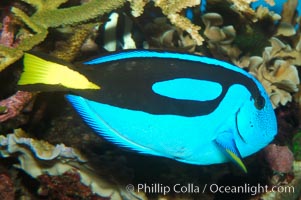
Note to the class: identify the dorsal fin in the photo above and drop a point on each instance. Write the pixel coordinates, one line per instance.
(129, 54)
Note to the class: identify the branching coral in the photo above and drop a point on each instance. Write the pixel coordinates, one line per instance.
(137, 6)
(70, 48)
(172, 8)
(48, 15)
(244, 6)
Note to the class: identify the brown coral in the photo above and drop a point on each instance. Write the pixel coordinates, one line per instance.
(172, 8)
(288, 13)
(288, 19)
(244, 6)
(277, 72)
(220, 38)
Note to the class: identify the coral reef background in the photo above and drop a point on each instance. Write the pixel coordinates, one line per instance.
(47, 152)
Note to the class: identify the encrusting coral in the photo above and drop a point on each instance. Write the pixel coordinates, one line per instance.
(38, 157)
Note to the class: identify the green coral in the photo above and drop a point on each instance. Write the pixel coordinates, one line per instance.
(297, 146)
(71, 47)
(49, 15)
(2, 109)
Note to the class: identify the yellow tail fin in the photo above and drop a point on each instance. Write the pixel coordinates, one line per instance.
(40, 71)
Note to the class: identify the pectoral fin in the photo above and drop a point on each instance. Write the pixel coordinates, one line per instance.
(227, 144)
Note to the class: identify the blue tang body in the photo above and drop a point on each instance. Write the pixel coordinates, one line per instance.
(193, 109)
(178, 106)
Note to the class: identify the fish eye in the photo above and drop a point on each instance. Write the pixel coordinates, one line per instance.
(259, 102)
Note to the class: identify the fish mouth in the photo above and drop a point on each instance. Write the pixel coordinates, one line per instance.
(236, 126)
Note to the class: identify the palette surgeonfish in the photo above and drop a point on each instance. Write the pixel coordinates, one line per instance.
(186, 107)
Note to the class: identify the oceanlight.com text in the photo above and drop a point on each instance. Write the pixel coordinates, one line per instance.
(190, 188)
